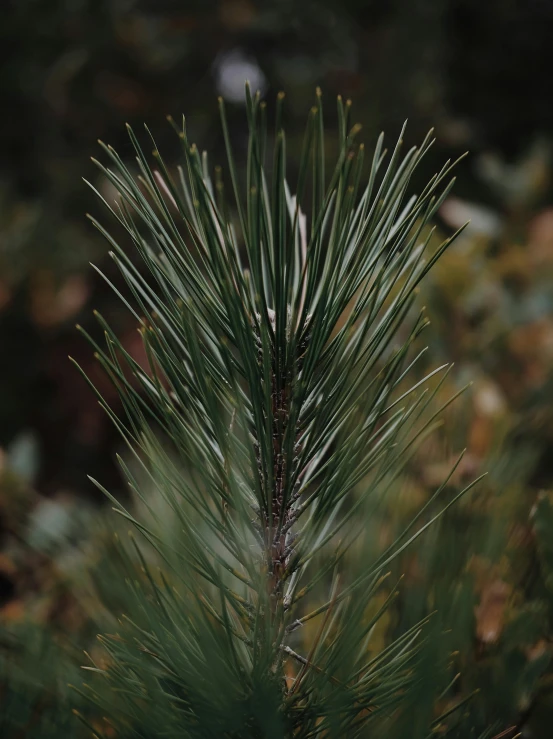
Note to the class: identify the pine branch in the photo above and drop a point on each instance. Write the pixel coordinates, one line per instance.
(272, 409)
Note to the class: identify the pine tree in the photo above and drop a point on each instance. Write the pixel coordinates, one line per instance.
(277, 325)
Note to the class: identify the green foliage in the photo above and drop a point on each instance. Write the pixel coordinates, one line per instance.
(34, 672)
(269, 415)
(482, 567)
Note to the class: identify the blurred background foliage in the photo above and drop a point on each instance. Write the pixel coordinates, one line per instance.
(73, 71)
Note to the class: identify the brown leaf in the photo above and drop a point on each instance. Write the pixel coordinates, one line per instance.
(51, 304)
(490, 614)
(540, 239)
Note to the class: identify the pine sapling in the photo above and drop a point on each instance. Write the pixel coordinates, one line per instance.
(278, 325)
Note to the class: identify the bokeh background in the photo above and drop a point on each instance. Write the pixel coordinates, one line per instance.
(74, 71)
